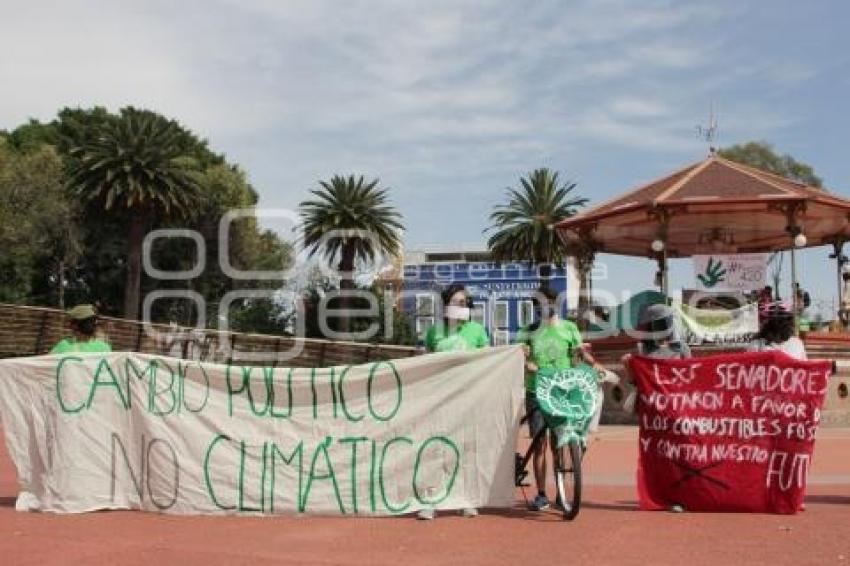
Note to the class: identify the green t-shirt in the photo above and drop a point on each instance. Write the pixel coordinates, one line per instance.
(468, 336)
(70, 345)
(552, 347)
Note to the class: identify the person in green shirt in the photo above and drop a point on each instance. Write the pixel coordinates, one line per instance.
(455, 333)
(553, 344)
(83, 322)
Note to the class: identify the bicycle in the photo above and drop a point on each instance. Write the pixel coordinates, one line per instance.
(567, 468)
(569, 415)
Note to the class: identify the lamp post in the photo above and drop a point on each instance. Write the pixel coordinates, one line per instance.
(660, 248)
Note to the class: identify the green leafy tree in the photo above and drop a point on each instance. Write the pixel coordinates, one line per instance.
(250, 248)
(39, 236)
(350, 220)
(762, 155)
(523, 229)
(401, 331)
(136, 167)
(56, 247)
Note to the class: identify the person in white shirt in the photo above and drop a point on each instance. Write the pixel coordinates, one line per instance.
(777, 333)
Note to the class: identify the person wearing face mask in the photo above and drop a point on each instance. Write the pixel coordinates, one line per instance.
(455, 333)
(550, 343)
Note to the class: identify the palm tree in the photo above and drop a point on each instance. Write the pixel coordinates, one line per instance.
(136, 166)
(524, 227)
(350, 220)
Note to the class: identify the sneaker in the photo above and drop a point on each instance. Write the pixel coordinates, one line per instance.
(676, 508)
(27, 501)
(540, 503)
(469, 512)
(426, 514)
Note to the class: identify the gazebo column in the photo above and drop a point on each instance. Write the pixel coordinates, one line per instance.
(584, 264)
(798, 240)
(840, 260)
(665, 278)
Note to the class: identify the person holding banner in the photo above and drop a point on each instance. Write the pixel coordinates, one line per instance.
(660, 333)
(550, 344)
(83, 322)
(660, 338)
(454, 334)
(777, 333)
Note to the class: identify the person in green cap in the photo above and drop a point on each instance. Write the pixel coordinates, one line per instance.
(455, 333)
(83, 322)
(550, 343)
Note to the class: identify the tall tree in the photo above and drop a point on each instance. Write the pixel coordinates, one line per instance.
(350, 220)
(49, 237)
(523, 229)
(136, 167)
(39, 237)
(762, 155)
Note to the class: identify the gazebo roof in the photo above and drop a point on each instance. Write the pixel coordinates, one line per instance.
(711, 206)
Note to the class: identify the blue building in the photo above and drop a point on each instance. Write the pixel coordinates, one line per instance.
(501, 293)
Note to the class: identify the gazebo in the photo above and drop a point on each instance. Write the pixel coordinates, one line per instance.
(713, 206)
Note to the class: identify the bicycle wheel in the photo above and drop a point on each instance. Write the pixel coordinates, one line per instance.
(567, 463)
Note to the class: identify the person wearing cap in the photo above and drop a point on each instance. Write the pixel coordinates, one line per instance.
(660, 333)
(83, 322)
(659, 337)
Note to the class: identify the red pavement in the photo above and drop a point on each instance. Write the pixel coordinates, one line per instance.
(609, 529)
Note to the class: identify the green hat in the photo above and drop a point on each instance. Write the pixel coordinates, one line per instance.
(82, 312)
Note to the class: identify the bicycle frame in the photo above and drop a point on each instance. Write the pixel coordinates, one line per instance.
(521, 461)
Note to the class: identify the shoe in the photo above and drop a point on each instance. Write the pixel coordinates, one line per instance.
(426, 514)
(27, 501)
(676, 508)
(540, 503)
(469, 512)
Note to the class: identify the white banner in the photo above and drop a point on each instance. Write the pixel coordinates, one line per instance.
(133, 431)
(735, 272)
(719, 326)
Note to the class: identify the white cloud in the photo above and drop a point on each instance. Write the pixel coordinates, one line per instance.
(632, 106)
(437, 98)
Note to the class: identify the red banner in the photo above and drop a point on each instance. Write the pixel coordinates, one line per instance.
(727, 433)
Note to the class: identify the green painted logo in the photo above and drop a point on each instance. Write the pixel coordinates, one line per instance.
(568, 399)
(714, 273)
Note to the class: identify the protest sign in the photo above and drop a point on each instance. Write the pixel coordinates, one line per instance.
(727, 433)
(719, 326)
(133, 431)
(730, 272)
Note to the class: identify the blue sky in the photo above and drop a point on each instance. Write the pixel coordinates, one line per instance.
(450, 102)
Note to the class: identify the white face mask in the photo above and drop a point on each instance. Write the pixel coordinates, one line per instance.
(457, 313)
